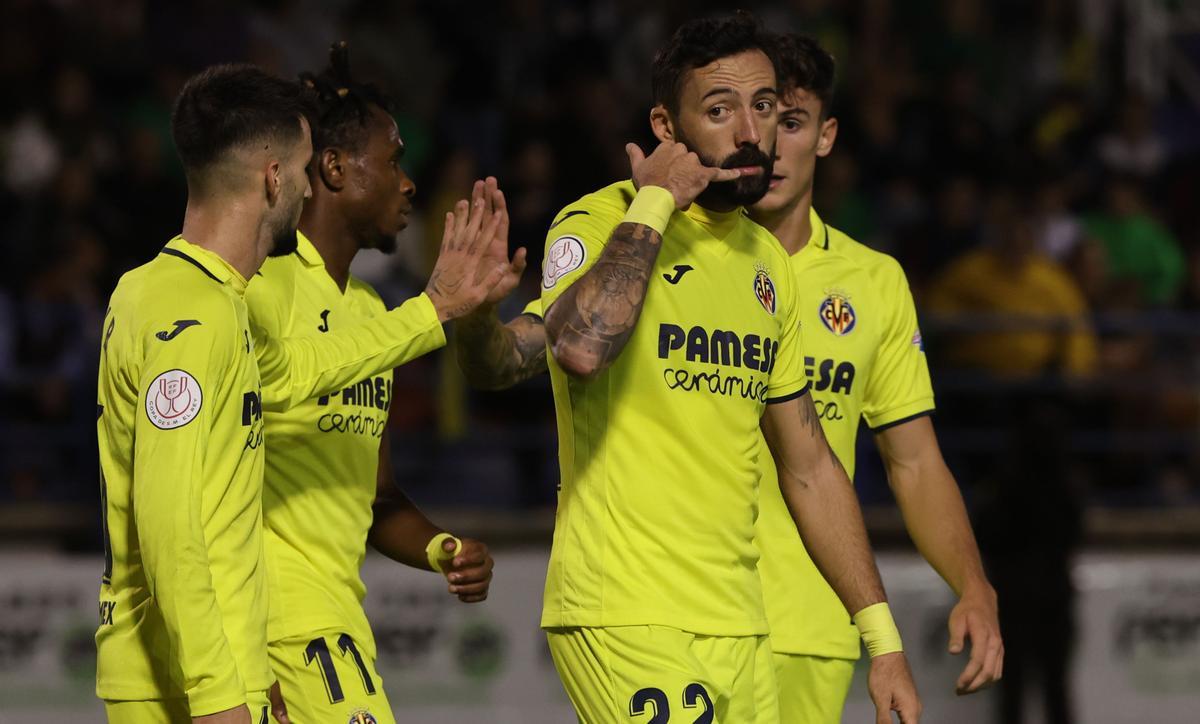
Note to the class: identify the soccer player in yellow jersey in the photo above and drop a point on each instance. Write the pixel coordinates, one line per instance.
(859, 367)
(673, 329)
(329, 485)
(865, 359)
(184, 380)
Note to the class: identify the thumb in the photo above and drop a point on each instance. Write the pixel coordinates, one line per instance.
(958, 632)
(450, 545)
(635, 154)
(519, 261)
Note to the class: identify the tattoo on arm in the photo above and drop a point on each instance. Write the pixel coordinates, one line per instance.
(592, 321)
(812, 424)
(494, 356)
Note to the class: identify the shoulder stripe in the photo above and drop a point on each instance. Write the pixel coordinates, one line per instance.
(901, 421)
(193, 262)
(568, 215)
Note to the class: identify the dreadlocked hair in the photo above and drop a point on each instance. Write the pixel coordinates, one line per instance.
(343, 105)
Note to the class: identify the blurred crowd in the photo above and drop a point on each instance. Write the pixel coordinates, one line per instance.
(1034, 164)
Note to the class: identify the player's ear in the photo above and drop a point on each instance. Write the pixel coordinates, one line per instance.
(331, 169)
(274, 181)
(829, 129)
(661, 124)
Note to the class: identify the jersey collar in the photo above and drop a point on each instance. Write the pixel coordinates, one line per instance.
(307, 252)
(717, 223)
(210, 263)
(819, 236)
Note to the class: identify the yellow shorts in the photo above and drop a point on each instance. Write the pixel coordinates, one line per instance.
(175, 711)
(325, 680)
(812, 689)
(661, 675)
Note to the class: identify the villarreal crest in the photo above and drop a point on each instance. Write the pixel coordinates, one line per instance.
(837, 314)
(362, 716)
(764, 288)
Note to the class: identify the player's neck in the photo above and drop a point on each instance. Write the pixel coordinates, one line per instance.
(228, 229)
(330, 234)
(792, 224)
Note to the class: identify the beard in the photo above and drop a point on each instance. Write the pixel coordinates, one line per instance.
(742, 191)
(283, 238)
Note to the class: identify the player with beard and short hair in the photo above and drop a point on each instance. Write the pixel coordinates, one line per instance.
(329, 486)
(184, 379)
(867, 362)
(673, 331)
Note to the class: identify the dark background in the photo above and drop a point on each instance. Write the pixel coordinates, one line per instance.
(1057, 140)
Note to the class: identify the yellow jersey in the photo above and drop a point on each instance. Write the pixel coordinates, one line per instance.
(658, 454)
(183, 598)
(865, 359)
(323, 456)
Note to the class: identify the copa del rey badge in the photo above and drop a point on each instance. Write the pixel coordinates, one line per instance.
(173, 400)
(564, 256)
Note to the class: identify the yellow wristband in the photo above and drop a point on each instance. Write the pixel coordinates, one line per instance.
(878, 630)
(434, 553)
(653, 207)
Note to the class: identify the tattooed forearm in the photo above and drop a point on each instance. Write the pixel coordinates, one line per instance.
(494, 356)
(591, 322)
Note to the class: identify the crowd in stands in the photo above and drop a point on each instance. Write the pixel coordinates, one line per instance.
(1034, 165)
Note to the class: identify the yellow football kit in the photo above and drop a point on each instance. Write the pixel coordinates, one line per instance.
(183, 599)
(658, 454)
(318, 488)
(864, 357)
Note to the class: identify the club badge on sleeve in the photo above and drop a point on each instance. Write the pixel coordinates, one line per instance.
(564, 256)
(173, 400)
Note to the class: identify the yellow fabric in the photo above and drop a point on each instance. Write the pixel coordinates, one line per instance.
(659, 674)
(323, 457)
(874, 369)
(652, 206)
(878, 630)
(812, 689)
(434, 553)
(184, 611)
(175, 711)
(310, 694)
(186, 597)
(1039, 293)
(656, 511)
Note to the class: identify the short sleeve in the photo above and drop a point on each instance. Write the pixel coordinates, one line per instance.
(788, 380)
(574, 242)
(899, 388)
(534, 308)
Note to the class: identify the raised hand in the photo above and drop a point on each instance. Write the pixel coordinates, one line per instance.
(891, 687)
(463, 276)
(676, 169)
(497, 250)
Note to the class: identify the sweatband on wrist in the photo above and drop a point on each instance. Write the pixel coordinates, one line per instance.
(878, 630)
(652, 207)
(434, 553)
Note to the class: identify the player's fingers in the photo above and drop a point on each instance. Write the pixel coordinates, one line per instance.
(724, 174)
(470, 555)
(448, 231)
(478, 212)
(476, 598)
(500, 204)
(470, 589)
(958, 630)
(1000, 663)
(519, 261)
(985, 675)
(883, 712)
(489, 232)
(494, 276)
(461, 217)
(979, 643)
(635, 154)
